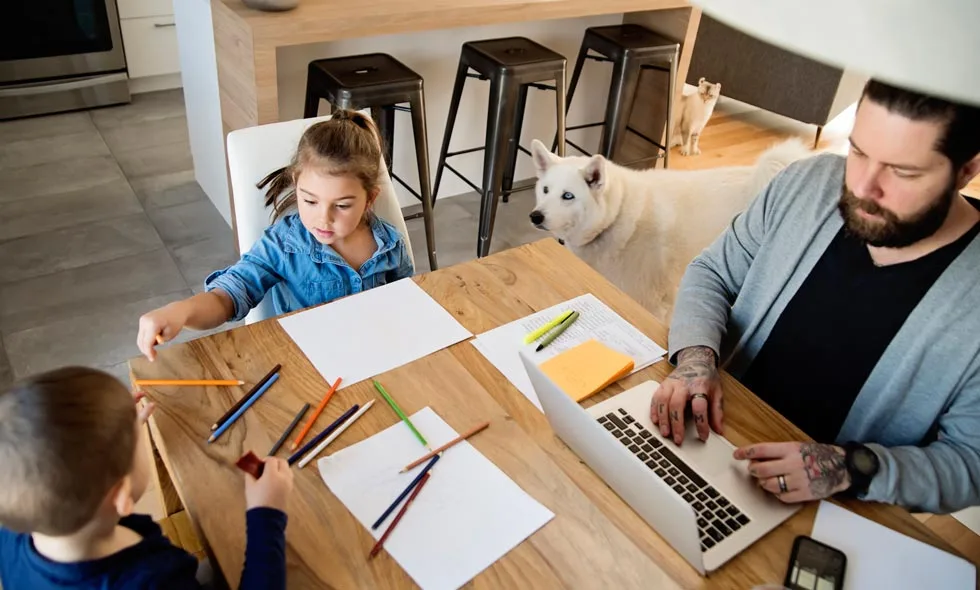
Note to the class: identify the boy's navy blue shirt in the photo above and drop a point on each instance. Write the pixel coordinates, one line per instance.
(152, 564)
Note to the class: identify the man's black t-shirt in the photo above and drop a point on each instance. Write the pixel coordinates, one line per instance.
(832, 333)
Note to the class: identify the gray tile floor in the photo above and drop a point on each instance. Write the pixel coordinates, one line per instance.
(101, 220)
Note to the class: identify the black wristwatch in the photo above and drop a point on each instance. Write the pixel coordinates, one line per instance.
(862, 465)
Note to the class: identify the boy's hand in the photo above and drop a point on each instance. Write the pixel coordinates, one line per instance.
(143, 410)
(164, 323)
(272, 489)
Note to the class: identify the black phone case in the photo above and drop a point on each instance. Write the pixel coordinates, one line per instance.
(800, 539)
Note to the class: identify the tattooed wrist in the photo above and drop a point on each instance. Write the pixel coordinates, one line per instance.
(825, 467)
(692, 354)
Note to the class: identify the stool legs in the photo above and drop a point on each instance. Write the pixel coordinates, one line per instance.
(560, 105)
(579, 63)
(450, 123)
(512, 144)
(503, 106)
(425, 188)
(384, 117)
(622, 91)
(671, 89)
(312, 104)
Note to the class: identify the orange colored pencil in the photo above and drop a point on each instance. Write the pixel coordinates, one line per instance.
(434, 452)
(377, 546)
(316, 414)
(224, 382)
(159, 339)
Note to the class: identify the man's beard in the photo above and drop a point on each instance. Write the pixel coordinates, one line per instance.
(888, 231)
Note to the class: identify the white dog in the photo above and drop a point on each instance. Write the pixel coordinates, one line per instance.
(641, 228)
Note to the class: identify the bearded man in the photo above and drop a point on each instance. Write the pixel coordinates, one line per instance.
(847, 296)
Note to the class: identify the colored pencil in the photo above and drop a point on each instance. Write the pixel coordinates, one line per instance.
(188, 382)
(289, 429)
(245, 397)
(401, 414)
(326, 442)
(557, 331)
(405, 493)
(377, 546)
(460, 438)
(255, 397)
(323, 434)
(159, 339)
(544, 329)
(316, 414)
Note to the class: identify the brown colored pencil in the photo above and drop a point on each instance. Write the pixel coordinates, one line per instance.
(316, 414)
(245, 398)
(377, 546)
(434, 452)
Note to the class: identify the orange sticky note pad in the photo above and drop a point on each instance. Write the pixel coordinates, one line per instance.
(587, 369)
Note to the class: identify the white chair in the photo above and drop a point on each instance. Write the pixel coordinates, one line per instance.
(253, 152)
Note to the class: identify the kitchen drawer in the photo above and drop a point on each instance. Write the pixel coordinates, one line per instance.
(142, 8)
(151, 46)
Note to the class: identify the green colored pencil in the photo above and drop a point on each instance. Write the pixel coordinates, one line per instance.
(401, 414)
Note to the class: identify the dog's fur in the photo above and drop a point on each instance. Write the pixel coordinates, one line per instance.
(641, 228)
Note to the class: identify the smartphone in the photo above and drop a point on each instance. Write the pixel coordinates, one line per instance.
(815, 566)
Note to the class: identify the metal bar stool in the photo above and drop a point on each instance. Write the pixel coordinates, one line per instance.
(382, 83)
(631, 49)
(513, 66)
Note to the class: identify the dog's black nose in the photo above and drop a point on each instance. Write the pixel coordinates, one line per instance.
(537, 217)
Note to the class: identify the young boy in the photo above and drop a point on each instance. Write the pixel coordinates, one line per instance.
(72, 465)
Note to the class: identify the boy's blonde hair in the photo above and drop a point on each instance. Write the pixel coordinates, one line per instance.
(66, 438)
(346, 144)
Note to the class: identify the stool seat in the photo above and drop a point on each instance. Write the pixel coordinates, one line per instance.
(634, 39)
(510, 52)
(364, 72)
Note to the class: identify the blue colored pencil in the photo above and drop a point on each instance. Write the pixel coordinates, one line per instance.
(255, 397)
(323, 434)
(405, 494)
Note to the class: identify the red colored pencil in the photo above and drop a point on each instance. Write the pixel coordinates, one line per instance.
(316, 414)
(377, 546)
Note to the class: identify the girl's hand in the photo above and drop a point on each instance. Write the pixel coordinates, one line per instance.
(165, 322)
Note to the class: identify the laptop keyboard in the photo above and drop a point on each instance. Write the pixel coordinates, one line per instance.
(718, 518)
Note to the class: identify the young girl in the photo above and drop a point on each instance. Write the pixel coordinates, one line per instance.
(334, 246)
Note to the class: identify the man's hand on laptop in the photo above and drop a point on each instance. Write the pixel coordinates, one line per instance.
(694, 381)
(797, 472)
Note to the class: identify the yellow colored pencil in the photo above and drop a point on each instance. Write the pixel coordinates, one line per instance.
(545, 328)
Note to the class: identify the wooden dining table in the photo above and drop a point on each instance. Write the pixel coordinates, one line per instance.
(595, 539)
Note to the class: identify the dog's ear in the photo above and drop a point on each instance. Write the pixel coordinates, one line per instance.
(594, 172)
(543, 158)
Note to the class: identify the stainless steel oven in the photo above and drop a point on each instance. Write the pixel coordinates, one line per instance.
(58, 55)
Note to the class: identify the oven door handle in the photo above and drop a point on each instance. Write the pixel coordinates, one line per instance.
(36, 88)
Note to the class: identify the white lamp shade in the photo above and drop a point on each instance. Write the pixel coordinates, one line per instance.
(930, 47)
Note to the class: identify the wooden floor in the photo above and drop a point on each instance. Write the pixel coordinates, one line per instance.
(735, 136)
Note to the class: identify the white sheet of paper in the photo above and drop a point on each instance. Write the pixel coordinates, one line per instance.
(597, 321)
(468, 515)
(878, 557)
(372, 332)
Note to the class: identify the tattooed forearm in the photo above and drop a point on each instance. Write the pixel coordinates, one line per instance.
(825, 467)
(697, 353)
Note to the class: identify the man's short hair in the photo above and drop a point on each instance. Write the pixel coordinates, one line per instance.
(66, 438)
(960, 141)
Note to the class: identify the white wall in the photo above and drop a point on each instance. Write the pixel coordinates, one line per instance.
(435, 55)
(199, 71)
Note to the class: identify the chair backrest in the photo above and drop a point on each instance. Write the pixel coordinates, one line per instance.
(253, 152)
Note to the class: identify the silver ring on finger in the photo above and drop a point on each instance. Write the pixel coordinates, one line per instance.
(703, 396)
(782, 484)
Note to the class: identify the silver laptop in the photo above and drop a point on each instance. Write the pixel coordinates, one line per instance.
(696, 496)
